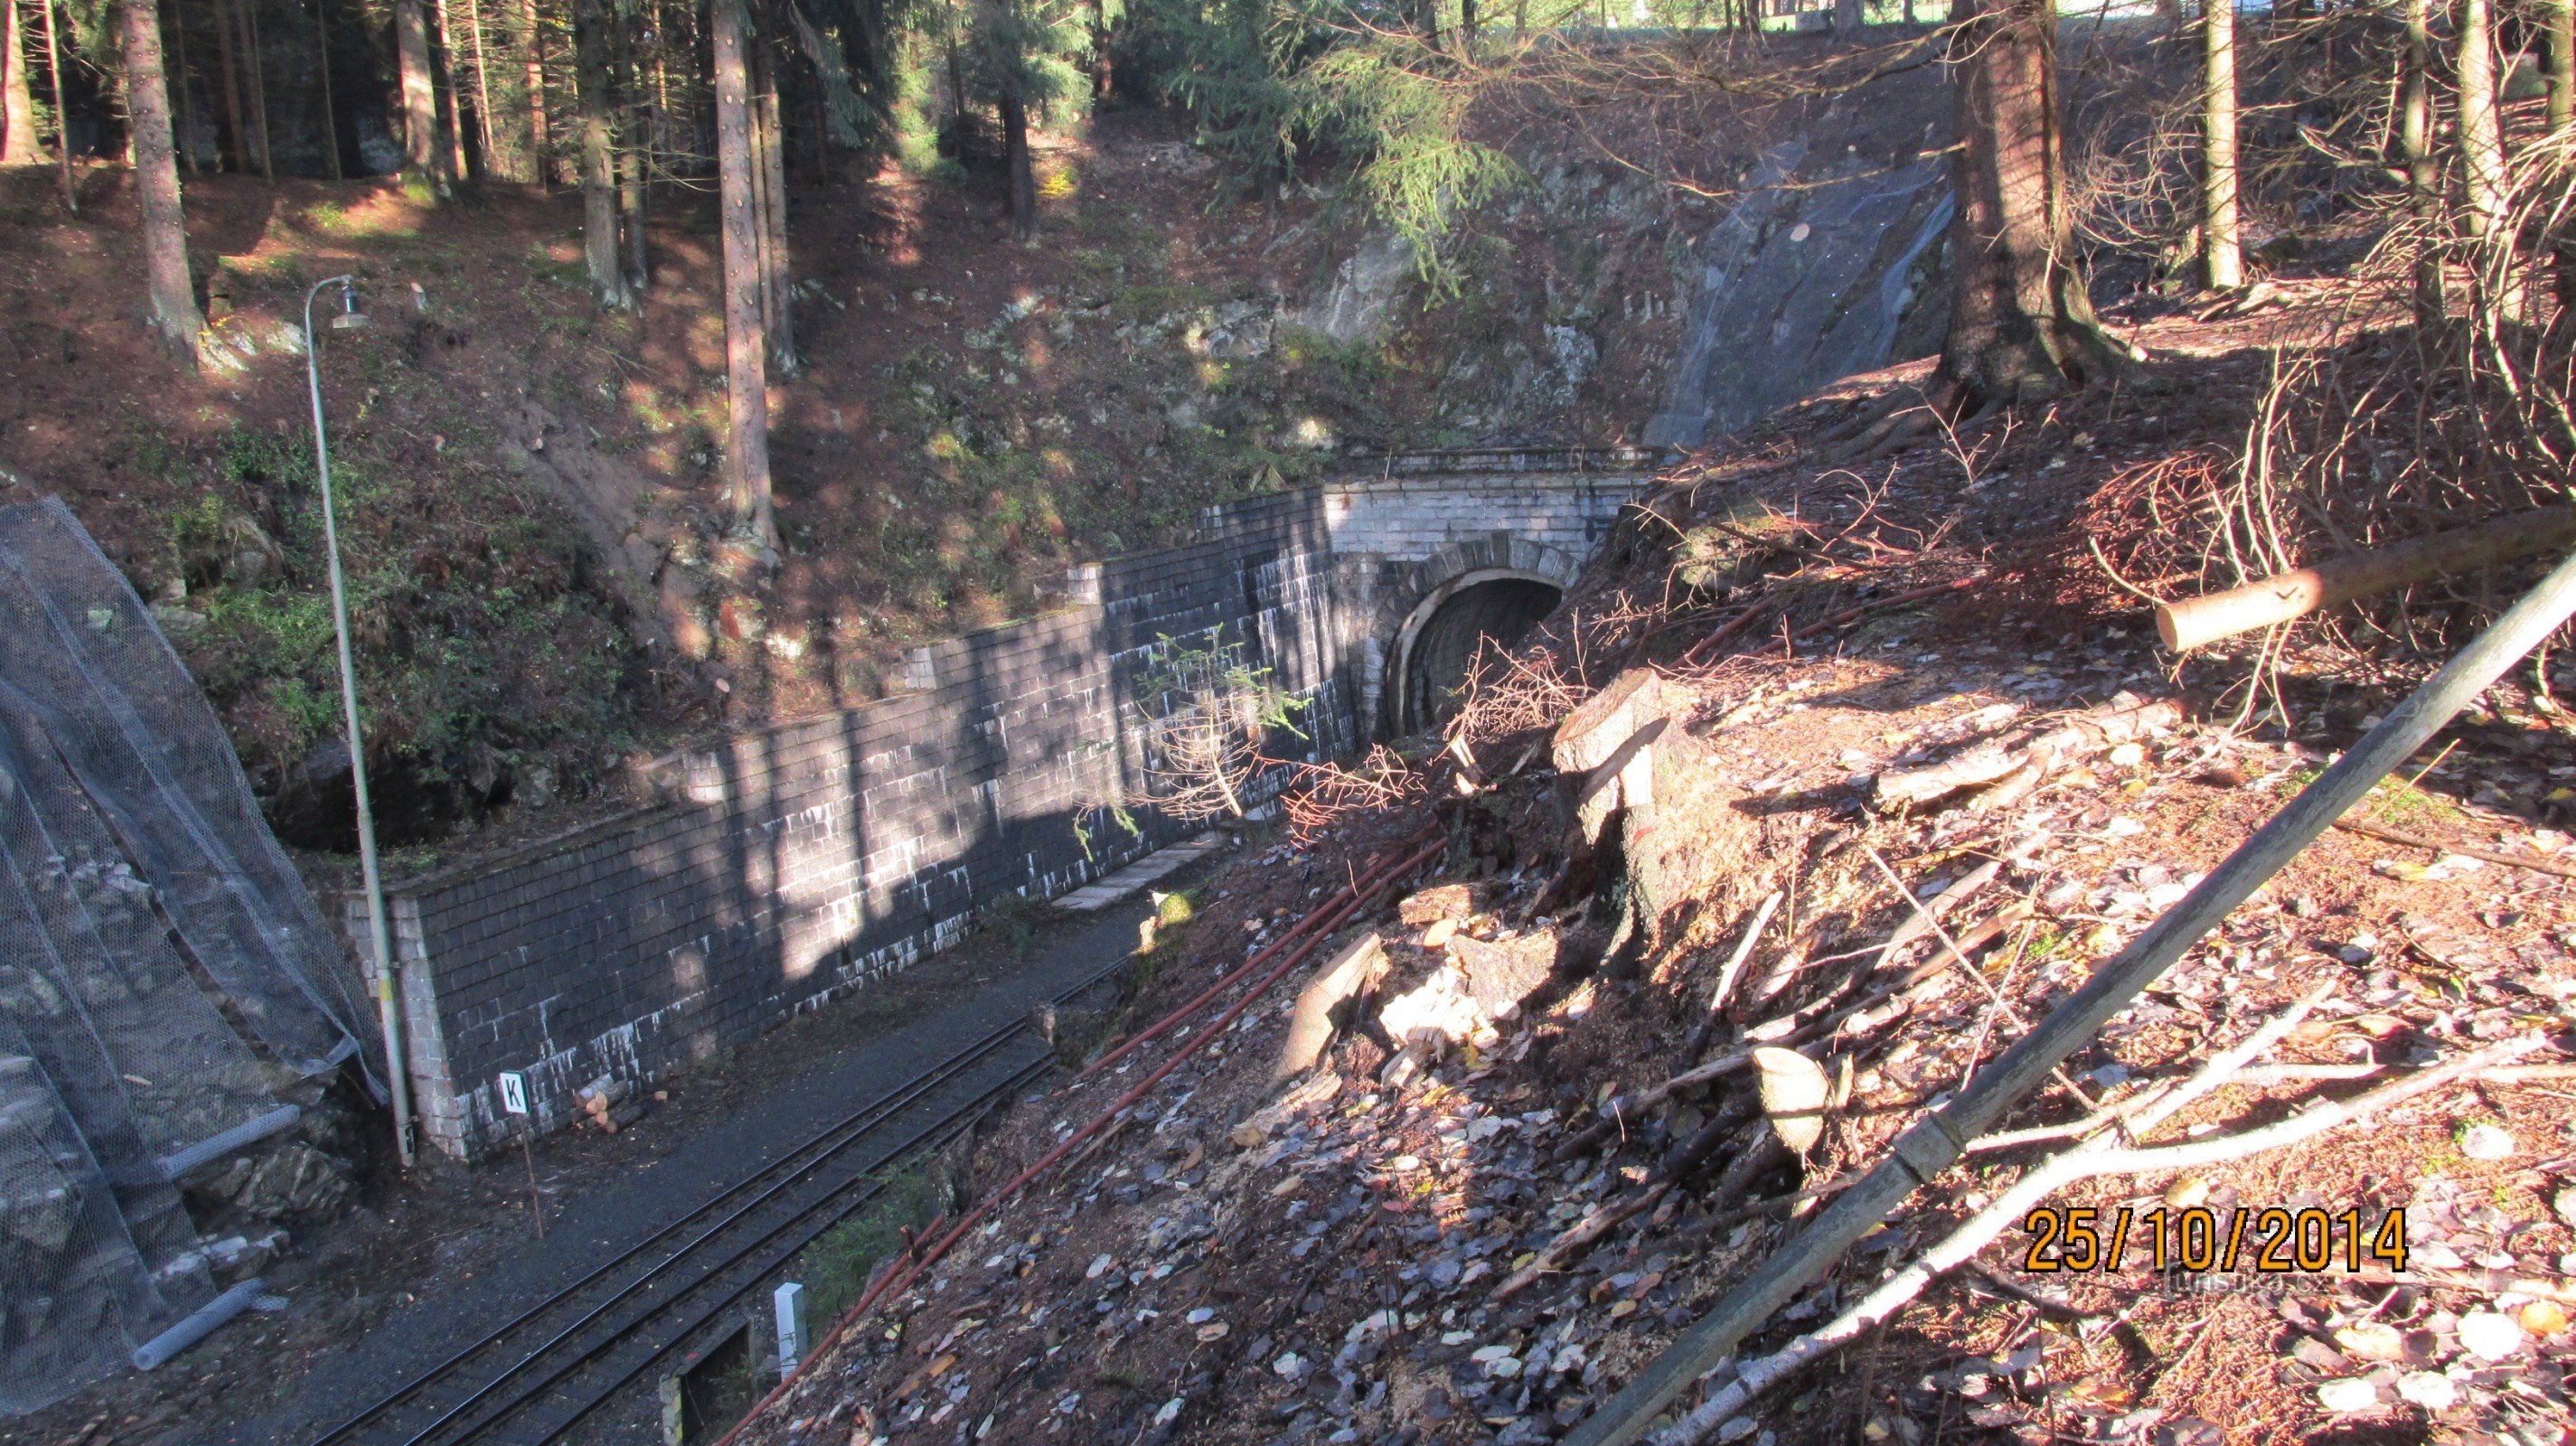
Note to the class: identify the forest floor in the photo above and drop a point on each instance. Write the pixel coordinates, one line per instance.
(1480, 1245)
(533, 485)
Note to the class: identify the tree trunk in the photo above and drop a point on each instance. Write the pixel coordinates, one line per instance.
(1023, 176)
(2021, 326)
(227, 57)
(62, 130)
(746, 380)
(956, 71)
(482, 81)
(184, 113)
(2562, 65)
(1100, 49)
(2218, 239)
(156, 182)
(2481, 140)
(17, 96)
(419, 93)
(249, 12)
(762, 242)
(630, 168)
(590, 22)
(1467, 23)
(819, 172)
(539, 149)
(662, 76)
(2415, 121)
(776, 280)
(452, 97)
(1847, 19)
(322, 73)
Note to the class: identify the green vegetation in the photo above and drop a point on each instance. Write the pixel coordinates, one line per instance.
(1082, 1035)
(1017, 920)
(835, 1268)
(2402, 804)
(1271, 80)
(473, 621)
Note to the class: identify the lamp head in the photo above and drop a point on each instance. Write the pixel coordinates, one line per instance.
(350, 317)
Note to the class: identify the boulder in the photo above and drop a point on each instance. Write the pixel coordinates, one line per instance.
(1500, 976)
(1447, 901)
(1437, 1011)
(289, 1178)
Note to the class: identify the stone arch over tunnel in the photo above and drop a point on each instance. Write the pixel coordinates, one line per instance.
(1439, 638)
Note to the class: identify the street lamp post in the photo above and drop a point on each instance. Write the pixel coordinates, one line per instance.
(388, 995)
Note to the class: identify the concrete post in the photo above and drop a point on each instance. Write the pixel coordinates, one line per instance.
(790, 1301)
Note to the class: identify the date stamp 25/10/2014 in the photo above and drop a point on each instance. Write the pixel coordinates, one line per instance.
(2275, 1241)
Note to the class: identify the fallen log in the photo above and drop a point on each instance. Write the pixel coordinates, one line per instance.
(1726, 977)
(1787, 1031)
(1311, 1026)
(2468, 851)
(1597, 1222)
(2196, 622)
(1858, 611)
(2124, 719)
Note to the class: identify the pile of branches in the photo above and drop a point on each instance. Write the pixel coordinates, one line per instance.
(2315, 106)
(2436, 391)
(1321, 796)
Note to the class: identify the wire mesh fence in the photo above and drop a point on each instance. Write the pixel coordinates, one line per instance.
(159, 957)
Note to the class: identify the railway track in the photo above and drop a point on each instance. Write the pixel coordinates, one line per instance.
(534, 1377)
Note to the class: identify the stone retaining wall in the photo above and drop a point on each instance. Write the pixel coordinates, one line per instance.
(796, 864)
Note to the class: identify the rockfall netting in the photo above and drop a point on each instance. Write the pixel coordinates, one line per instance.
(155, 943)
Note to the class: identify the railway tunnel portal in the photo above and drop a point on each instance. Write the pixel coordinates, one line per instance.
(784, 868)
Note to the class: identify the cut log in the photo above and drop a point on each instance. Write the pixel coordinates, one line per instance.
(1311, 1027)
(2197, 622)
(1594, 730)
(1606, 743)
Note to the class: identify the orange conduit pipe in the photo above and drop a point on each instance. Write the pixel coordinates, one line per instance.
(1368, 878)
(895, 1282)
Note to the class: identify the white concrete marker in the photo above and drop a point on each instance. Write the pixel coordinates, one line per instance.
(790, 1300)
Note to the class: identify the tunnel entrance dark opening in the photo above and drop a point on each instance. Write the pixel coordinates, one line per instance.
(1437, 649)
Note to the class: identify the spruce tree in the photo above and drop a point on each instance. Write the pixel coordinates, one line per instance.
(1022, 58)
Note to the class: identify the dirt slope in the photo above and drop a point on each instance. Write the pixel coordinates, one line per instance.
(1326, 1258)
(535, 502)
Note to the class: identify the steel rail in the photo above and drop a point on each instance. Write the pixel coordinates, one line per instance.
(537, 1354)
(818, 1148)
(914, 1264)
(945, 1129)
(856, 1124)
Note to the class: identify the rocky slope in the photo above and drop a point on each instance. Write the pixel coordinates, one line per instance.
(1478, 1210)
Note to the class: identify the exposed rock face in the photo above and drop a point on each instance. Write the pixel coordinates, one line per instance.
(1806, 286)
(1364, 293)
(289, 1180)
(1591, 295)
